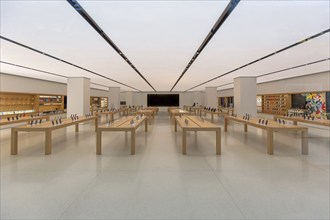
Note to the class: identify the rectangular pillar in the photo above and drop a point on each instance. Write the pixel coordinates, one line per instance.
(114, 97)
(245, 93)
(78, 93)
(211, 97)
(197, 97)
(129, 98)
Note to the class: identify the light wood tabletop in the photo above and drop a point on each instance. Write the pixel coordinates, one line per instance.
(123, 124)
(212, 113)
(297, 119)
(271, 127)
(194, 123)
(108, 113)
(14, 120)
(48, 127)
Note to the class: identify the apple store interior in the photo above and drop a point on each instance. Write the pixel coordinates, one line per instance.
(165, 109)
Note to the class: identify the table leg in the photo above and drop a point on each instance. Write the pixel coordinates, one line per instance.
(226, 124)
(245, 128)
(304, 142)
(175, 125)
(133, 142)
(77, 127)
(270, 141)
(295, 122)
(149, 118)
(98, 142)
(218, 141)
(146, 125)
(212, 117)
(48, 118)
(184, 141)
(48, 140)
(96, 123)
(14, 140)
(111, 117)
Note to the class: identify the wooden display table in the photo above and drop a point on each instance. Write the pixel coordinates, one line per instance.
(296, 119)
(170, 108)
(47, 127)
(176, 112)
(196, 124)
(148, 113)
(230, 111)
(122, 124)
(108, 113)
(271, 128)
(4, 120)
(224, 114)
(155, 109)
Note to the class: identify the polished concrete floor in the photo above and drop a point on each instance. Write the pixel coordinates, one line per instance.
(161, 183)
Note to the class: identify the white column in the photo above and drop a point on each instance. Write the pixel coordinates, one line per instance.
(211, 97)
(129, 98)
(197, 97)
(78, 93)
(114, 97)
(245, 93)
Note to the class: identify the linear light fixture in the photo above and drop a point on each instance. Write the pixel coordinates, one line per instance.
(66, 62)
(46, 72)
(262, 58)
(225, 14)
(283, 70)
(99, 30)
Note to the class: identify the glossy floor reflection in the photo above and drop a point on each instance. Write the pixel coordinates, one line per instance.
(159, 182)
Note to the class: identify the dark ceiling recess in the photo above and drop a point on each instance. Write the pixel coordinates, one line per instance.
(262, 58)
(43, 71)
(98, 29)
(225, 14)
(58, 59)
(286, 69)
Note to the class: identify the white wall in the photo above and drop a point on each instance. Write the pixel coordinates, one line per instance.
(309, 83)
(245, 93)
(78, 91)
(211, 97)
(99, 93)
(12, 83)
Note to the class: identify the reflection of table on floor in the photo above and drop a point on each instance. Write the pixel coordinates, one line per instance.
(4, 120)
(47, 127)
(271, 128)
(108, 113)
(122, 124)
(149, 113)
(196, 124)
(224, 114)
(296, 119)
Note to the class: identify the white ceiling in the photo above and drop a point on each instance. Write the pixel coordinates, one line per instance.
(160, 38)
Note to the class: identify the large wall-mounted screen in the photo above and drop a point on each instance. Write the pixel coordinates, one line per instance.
(163, 100)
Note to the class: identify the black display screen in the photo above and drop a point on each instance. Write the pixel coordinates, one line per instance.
(163, 100)
(298, 101)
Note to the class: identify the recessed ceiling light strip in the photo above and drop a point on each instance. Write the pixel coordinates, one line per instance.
(225, 14)
(283, 70)
(58, 59)
(99, 30)
(46, 72)
(262, 58)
